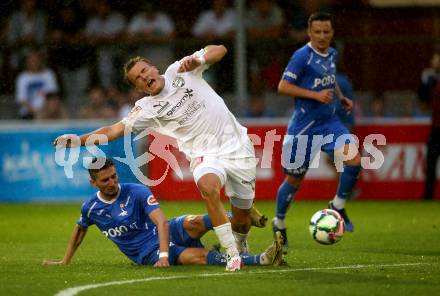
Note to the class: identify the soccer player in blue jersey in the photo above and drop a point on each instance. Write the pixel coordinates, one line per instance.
(130, 216)
(310, 77)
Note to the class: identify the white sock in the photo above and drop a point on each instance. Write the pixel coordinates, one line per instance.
(280, 223)
(226, 238)
(264, 260)
(339, 203)
(241, 240)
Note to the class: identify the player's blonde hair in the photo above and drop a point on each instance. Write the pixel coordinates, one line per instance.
(130, 64)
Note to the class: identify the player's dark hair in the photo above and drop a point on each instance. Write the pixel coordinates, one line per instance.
(93, 171)
(320, 16)
(130, 64)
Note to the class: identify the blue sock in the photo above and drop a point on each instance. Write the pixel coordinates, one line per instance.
(250, 259)
(347, 181)
(218, 259)
(215, 258)
(208, 223)
(286, 194)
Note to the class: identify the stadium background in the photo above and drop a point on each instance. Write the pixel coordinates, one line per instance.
(384, 46)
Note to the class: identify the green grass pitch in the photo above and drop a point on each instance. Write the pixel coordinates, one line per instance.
(395, 250)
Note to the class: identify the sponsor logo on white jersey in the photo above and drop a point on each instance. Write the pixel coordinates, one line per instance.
(160, 106)
(178, 82)
(188, 95)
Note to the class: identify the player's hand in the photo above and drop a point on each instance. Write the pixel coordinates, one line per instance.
(53, 262)
(347, 103)
(188, 64)
(67, 141)
(325, 96)
(162, 262)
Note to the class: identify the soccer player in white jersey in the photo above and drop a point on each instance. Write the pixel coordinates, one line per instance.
(181, 104)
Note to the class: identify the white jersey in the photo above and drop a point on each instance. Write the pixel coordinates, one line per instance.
(190, 111)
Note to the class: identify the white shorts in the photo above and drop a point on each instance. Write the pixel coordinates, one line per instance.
(237, 174)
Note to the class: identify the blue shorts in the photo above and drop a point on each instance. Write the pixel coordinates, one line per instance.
(179, 241)
(179, 236)
(300, 149)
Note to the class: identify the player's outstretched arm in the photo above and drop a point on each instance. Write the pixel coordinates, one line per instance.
(286, 88)
(163, 229)
(77, 237)
(212, 54)
(110, 133)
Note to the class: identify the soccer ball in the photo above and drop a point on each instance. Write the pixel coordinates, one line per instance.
(327, 227)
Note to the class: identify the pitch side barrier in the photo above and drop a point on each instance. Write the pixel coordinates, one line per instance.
(400, 176)
(32, 170)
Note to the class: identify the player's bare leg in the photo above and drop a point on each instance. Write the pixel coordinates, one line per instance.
(209, 186)
(356, 160)
(194, 256)
(195, 226)
(241, 223)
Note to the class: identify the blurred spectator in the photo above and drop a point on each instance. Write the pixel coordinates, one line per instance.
(33, 84)
(68, 54)
(53, 108)
(298, 23)
(115, 97)
(27, 27)
(152, 31)
(265, 20)
(413, 108)
(126, 105)
(4, 83)
(433, 146)
(257, 108)
(378, 107)
(97, 106)
(265, 26)
(105, 29)
(217, 23)
(428, 80)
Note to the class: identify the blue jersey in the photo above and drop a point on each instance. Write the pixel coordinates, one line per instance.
(314, 71)
(125, 220)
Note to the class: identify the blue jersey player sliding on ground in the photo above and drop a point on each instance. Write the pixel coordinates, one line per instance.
(310, 77)
(130, 216)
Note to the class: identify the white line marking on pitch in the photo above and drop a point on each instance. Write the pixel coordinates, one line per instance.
(75, 290)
